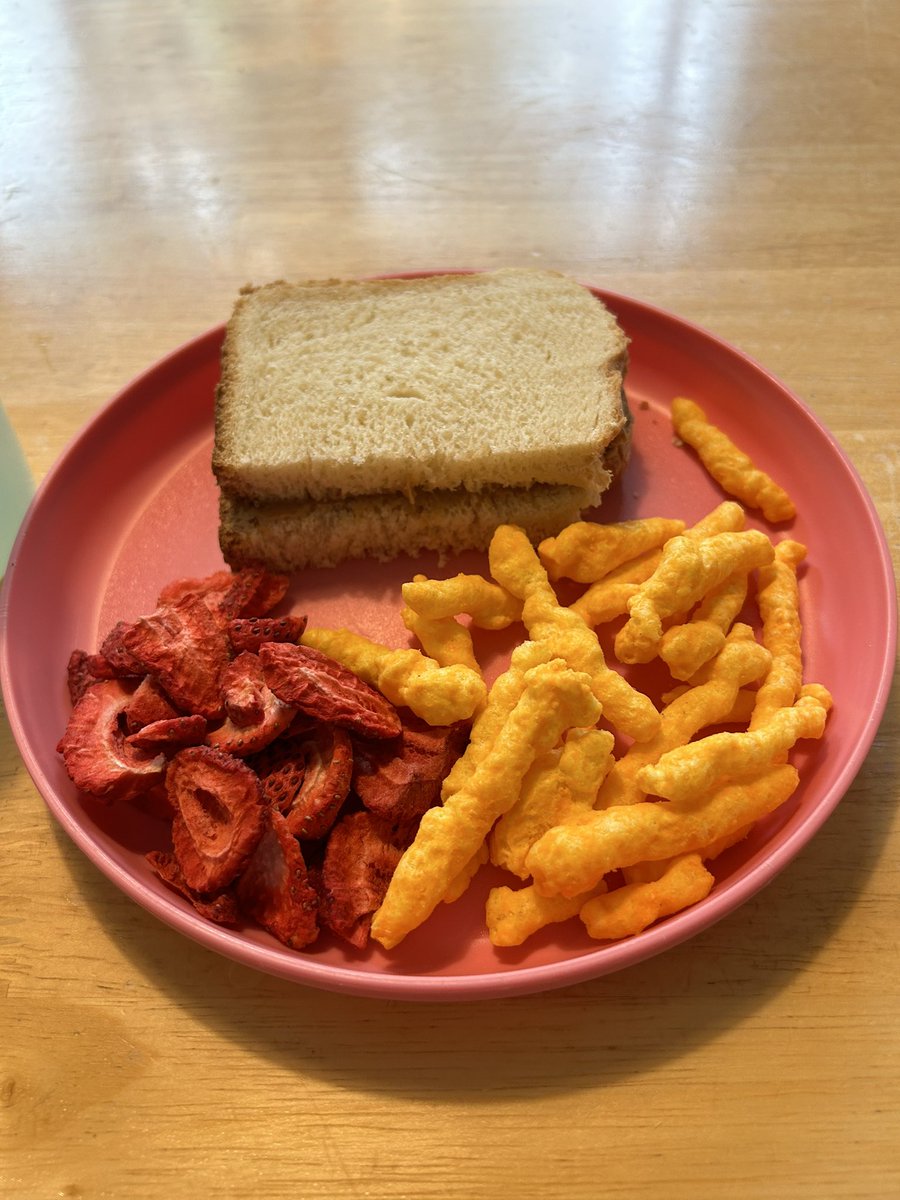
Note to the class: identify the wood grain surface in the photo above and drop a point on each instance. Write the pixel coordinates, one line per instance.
(737, 162)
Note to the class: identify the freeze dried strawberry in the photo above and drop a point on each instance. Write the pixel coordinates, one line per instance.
(255, 715)
(218, 815)
(97, 756)
(169, 733)
(401, 780)
(249, 633)
(243, 686)
(80, 674)
(148, 703)
(115, 652)
(360, 860)
(254, 592)
(220, 907)
(325, 689)
(274, 887)
(322, 762)
(186, 651)
(209, 586)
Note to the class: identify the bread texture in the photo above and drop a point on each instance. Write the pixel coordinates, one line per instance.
(380, 417)
(292, 535)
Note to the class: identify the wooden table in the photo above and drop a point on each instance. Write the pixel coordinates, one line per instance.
(736, 162)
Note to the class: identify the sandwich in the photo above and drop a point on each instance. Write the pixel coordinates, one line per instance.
(375, 418)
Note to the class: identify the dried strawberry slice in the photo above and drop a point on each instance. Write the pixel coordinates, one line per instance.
(220, 907)
(254, 592)
(211, 587)
(149, 703)
(325, 689)
(243, 690)
(169, 733)
(323, 761)
(80, 674)
(402, 779)
(183, 647)
(94, 749)
(274, 887)
(255, 714)
(249, 633)
(218, 815)
(360, 860)
(115, 652)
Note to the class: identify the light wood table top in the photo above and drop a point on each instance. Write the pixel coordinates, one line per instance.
(736, 163)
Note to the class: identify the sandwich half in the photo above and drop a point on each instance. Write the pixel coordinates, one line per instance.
(382, 417)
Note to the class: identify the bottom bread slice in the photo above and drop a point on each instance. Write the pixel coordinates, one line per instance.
(293, 535)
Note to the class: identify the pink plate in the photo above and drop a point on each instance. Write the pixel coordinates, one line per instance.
(132, 504)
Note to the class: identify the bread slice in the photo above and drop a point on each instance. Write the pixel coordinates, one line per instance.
(292, 535)
(433, 385)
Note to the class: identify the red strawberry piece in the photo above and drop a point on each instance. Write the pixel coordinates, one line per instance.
(401, 780)
(360, 859)
(185, 650)
(169, 733)
(220, 907)
(218, 815)
(325, 689)
(80, 674)
(148, 703)
(249, 633)
(274, 887)
(322, 762)
(115, 652)
(211, 587)
(243, 689)
(255, 715)
(95, 751)
(254, 592)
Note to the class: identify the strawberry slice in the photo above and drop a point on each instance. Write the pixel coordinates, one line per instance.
(220, 907)
(95, 751)
(185, 650)
(255, 715)
(218, 815)
(249, 633)
(323, 688)
(360, 859)
(400, 780)
(274, 887)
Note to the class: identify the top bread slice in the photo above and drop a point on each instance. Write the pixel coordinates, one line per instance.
(340, 388)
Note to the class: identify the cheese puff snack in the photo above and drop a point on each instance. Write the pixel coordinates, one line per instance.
(444, 639)
(608, 597)
(439, 695)
(778, 598)
(685, 774)
(570, 859)
(516, 566)
(501, 700)
(554, 699)
(685, 648)
(687, 571)
(585, 551)
(631, 908)
(489, 606)
(741, 661)
(513, 915)
(729, 466)
(463, 878)
(558, 784)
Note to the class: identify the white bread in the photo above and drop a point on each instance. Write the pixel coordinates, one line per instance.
(391, 416)
(291, 535)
